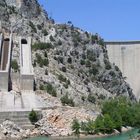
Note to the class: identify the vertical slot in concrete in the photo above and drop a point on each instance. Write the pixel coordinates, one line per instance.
(5, 59)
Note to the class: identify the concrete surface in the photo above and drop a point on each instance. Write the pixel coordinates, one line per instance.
(26, 68)
(5, 59)
(126, 55)
(16, 101)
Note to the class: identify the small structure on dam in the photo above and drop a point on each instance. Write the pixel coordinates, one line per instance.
(126, 55)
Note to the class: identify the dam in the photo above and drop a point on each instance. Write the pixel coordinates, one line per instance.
(126, 55)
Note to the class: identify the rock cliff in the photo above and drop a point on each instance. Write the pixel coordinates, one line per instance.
(69, 63)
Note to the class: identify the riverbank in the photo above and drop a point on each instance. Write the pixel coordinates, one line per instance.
(10, 131)
(54, 123)
(83, 136)
(123, 136)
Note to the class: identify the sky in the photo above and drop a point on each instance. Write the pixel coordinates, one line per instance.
(111, 19)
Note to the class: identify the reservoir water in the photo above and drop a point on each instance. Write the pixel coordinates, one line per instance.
(124, 136)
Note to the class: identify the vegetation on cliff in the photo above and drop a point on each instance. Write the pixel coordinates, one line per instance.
(115, 113)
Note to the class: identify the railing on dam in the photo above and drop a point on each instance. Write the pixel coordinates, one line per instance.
(122, 42)
(26, 68)
(5, 59)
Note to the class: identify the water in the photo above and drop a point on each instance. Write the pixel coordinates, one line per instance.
(124, 136)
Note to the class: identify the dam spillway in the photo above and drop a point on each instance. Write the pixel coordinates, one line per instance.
(126, 55)
(26, 68)
(5, 59)
(5, 50)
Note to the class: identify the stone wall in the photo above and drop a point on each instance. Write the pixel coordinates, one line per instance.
(126, 55)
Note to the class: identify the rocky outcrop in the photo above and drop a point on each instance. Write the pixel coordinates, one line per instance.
(57, 122)
(9, 130)
(76, 62)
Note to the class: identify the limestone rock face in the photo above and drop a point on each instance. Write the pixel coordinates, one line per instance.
(75, 63)
(9, 130)
(56, 122)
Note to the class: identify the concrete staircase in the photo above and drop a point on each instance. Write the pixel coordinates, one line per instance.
(18, 117)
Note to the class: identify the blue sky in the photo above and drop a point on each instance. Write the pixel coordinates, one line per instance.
(112, 19)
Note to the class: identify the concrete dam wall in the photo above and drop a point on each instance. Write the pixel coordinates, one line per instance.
(126, 55)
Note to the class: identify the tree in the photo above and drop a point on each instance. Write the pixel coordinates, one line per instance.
(117, 120)
(76, 127)
(14, 65)
(108, 124)
(33, 116)
(65, 100)
(99, 124)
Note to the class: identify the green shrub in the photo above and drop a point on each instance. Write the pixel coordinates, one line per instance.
(66, 85)
(65, 100)
(51, 38)
(34, 63)
(83, 56)
(46, 72)
(45, 54)
(64, 69)
(88, 127)
(91, 98)
(101, 42)
(45, 32)
(88, 63)
(42, 46)
(83, 98)
(14, 65)
(41, 87)
(76, 127)
(94, 38)
(62, 78)
(39, 60)
(116, 68)
(59, 42)
(69, 60)
(45, 62)
(112, 73)
(115, 113)
(91, 55)
(33, 117)
(32, 27)
(60, 59)
(42, 62)
(94, 70)
(39, 26)
(107, 64)
(51, 90)
(82, 62)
